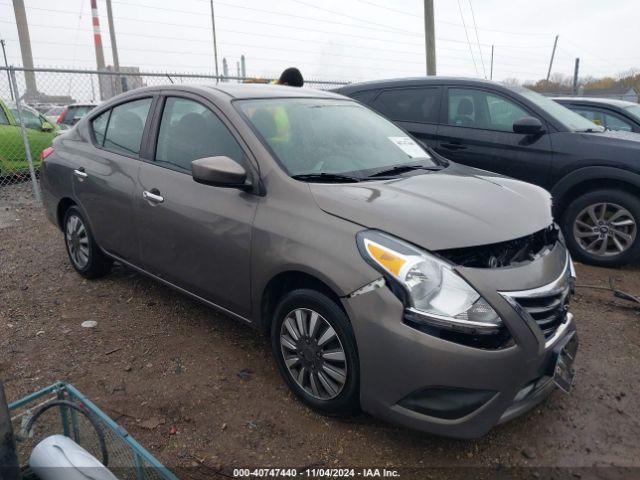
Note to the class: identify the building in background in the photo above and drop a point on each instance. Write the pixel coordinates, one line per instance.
(111, 85)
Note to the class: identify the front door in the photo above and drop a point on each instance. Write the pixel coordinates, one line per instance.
(195, 236)
(478, 132)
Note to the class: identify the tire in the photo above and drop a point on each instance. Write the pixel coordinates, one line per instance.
(84, 254)
(608, 214)
(321, 360)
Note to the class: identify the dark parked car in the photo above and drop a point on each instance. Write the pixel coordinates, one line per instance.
(593, 174)
(609, 113)
(73, 113)
(374, 267)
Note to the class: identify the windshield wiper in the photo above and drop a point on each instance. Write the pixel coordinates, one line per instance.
(404, 168)
(325, 177)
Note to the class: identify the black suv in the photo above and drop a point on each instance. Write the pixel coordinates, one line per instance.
(593, 173)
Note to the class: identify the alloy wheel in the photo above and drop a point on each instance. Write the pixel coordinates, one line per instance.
(77, 240)
(313, 354)
(605, 229)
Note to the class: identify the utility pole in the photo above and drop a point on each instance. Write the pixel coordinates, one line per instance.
(243, 67)
(215, 43)
(9, 465)
(576, 69)
(6, 64)
(120, 82)
(491, 71)
(430, 37)
(553, 54)
(25, 48)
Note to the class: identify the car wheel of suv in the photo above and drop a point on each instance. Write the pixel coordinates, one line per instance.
(315, 349)
(85, 255)
(601, 227)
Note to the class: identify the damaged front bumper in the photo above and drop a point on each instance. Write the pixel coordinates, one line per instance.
(436, 384)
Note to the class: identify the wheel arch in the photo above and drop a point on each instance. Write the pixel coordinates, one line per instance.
(588, 179)
(63, 205)
(286, 281)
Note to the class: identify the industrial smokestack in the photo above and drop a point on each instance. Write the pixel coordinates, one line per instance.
(25, 48)
(97, 38)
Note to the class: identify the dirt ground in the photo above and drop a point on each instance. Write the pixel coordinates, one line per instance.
(196, 387)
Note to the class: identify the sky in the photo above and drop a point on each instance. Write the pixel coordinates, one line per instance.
(342, 40)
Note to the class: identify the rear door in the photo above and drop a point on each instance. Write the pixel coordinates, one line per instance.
(193, 235)
(106, 172)
(415, 109)
(478, 131)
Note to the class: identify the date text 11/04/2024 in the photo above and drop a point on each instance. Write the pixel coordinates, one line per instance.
(316, 472)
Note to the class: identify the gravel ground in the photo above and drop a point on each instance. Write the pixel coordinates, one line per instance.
(195, 387)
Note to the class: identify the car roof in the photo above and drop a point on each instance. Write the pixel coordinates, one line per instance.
(596, 100)
(232, 91)
(414, 81)
(253, 90)
(82, 104)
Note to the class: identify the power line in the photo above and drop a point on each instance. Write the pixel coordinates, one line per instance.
(468, 41)
(475, 26)
(410, 14)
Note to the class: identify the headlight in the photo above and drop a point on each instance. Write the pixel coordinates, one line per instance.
(434, 294)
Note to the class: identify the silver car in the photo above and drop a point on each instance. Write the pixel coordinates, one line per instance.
(388, 278)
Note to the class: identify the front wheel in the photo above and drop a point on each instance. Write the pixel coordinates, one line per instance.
(601, 227)
(316, 352)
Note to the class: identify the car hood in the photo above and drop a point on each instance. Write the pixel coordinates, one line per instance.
(452, 208)
(617, 137)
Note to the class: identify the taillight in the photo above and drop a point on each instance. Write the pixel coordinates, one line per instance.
(45, 153)
(62, 115)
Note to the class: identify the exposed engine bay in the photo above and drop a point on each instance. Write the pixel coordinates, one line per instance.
(505, 254)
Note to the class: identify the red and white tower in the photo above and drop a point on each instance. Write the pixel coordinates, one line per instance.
(97, 37)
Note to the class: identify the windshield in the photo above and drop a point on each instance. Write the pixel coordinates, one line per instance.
(337, 137)
(634, 110)
(571, 120)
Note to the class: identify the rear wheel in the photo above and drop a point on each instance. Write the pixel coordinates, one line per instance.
(85, 255)
(315, 349)
(601, 227)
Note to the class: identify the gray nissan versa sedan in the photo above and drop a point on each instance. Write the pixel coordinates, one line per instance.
(427, 293)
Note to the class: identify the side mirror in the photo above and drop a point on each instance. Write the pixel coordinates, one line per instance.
(219, 171)
(47, 127)
(528, 126)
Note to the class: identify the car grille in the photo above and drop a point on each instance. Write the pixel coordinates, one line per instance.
(547, 306)
(548, 311)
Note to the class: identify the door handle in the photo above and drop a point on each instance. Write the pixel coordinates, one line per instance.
(80, 173)
(153, 197)
(453, 146)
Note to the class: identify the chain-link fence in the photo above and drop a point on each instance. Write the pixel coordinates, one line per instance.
(38, 104)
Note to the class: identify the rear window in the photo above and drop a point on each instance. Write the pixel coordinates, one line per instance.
(99, 126)
(3, 118)
(75, 113)
(419, 105)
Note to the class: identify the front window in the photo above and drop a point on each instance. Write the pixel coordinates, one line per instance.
(474, 108)
(571, 120)
(634, 111)
(190, 131)
(331, 137)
